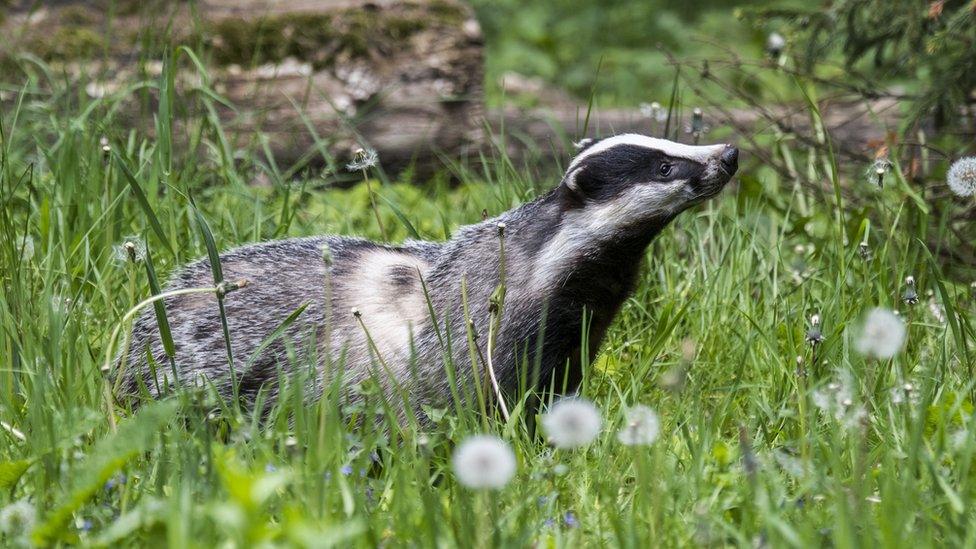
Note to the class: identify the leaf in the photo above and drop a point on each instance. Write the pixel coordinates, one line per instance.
(110, 454)
(11, 471)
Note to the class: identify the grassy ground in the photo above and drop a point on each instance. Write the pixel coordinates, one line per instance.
(765, 439)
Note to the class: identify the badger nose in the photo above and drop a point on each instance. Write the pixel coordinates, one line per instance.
(730, 159)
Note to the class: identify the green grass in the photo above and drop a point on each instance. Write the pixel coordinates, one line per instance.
(714, 340)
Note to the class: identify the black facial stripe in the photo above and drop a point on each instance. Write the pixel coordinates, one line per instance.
(610, 173)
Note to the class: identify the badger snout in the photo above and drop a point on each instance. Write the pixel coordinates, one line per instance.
(729, 160)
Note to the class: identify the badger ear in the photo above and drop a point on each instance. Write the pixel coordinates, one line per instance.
(583, 144)
(579, 181)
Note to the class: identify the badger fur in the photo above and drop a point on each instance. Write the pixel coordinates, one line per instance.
(396, 314)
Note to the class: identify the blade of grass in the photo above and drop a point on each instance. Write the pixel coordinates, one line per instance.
(143, 201)
(218, 277)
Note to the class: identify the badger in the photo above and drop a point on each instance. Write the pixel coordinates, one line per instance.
(426, 319)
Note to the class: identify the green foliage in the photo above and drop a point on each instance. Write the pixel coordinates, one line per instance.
(927, 44)
(563, 42)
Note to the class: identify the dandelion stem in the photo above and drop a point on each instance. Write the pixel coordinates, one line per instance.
(372, 202)
(496, 302)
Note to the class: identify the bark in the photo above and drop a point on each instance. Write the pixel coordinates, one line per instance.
(401, 76)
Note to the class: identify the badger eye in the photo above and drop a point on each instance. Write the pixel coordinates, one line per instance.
(666, 169)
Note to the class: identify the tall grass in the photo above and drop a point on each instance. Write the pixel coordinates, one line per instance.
(755, 449)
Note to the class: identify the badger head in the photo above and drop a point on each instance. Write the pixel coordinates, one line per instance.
(631, 183)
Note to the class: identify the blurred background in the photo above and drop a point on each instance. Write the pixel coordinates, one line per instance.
(431, 83)
(261, 92)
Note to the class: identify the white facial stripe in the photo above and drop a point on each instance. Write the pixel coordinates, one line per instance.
(678, 150)
(585, 229)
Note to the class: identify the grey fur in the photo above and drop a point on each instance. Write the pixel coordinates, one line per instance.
(384, 285)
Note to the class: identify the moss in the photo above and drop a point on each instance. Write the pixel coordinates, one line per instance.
(77, 16)
(68, 42)
(320, 39)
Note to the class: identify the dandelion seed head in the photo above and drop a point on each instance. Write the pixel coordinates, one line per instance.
(132, 249)
(25, 247)
(878, 169)
(654, 111)
(572, 423)
(641, 427)
(962, 177)
(484, 462)
(18, 519)
(936, 310)
(882, 334)
(836, 400)
(364, 159)
(775, 44)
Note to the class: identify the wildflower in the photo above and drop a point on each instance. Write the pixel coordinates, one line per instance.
(270, 468)
(117, 480)
(346, 470)
(364, 160)
(17, 519)
(569, 519)
(814, 335)
(641, 426)
(878, 170)
(962, 177)
(132, 249)
(775, 44)
(572, 423)
(484, 461)
(882, 335)
(910, 297)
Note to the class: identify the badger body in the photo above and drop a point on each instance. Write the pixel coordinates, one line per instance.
(396, 314)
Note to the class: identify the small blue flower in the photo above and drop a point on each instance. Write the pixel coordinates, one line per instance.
(346, 470)
(270, 468)
(570, 519)
(117, 480)
(362, 473)
(86, 525)
(549, 523)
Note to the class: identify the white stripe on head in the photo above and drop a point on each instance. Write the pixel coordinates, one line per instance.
(670, 148)
(582, 231)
